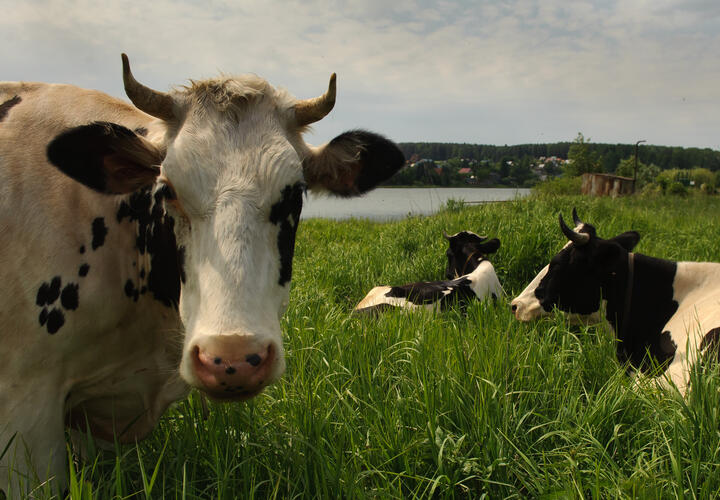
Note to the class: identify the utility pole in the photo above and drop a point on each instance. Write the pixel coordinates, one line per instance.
(636, 160)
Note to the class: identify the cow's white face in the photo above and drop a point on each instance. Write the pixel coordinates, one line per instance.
(233, 172)
(239, 189)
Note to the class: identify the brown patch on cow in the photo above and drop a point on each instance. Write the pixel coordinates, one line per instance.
(5, 107)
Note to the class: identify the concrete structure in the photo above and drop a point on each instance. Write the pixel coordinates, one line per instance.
(607, 185)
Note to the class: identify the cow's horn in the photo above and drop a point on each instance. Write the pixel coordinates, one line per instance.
(579, 239)
(445, 235)
(312, 110)
(576, 219)
(157, 104)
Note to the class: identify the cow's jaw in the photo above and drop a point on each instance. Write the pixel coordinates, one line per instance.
(526, 306)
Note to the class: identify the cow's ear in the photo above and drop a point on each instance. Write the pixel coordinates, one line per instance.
(106, 157)
(489, 246)
(627, 240)
(352, 163)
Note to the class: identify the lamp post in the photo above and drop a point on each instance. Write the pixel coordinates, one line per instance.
(636, 160)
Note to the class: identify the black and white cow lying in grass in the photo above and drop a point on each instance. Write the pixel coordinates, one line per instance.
(664, 313)
(471, 276)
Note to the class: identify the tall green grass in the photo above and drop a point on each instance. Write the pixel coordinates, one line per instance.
(460, 404)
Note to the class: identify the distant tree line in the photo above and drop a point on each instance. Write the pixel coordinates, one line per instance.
(526, 165)
(609, 155)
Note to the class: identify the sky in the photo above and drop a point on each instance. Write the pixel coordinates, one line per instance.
(483, 72)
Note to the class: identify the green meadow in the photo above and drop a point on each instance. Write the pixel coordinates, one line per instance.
(466, 403)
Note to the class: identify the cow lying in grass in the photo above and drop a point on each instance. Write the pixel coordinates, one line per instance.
(470, 276)
(664, 313)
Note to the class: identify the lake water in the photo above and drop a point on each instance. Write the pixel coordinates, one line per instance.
(395, 203)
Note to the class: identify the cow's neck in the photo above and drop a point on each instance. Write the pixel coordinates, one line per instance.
(639, 304)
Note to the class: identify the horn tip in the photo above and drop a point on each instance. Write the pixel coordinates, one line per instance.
(126, 66)
(332, 87)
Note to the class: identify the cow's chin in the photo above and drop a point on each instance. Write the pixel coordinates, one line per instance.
(528, 311)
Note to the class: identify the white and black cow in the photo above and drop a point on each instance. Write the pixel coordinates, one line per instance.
(470, 276)
(526, 306)
(148, 249)
(664, 313)
(466, 251)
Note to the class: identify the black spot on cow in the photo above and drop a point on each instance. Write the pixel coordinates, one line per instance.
(286, 214)
(142, 272)
(164, 192)
(652, 306)
(55, 319)
(141, 131)
(7, 105)
(123, 211)
(69, 297)
(82, 249)
(84, 269)
(444, 293)
(131, 291)
(154, 236)
(43, 316)
(48, 292)
(99, 231)
(710, 345)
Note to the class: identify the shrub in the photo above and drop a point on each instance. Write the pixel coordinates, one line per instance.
(454, 205)
(559, 186)
(676, 188)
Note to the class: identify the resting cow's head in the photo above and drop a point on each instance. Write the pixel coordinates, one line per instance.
(573, 279)
(466, 251)
(231, 170)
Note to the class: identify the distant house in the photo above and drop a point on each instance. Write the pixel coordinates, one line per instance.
(465, 171)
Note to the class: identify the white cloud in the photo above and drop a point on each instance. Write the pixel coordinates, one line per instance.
(491, 72)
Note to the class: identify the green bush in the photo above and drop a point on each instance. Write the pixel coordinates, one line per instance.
(559, 186)
(676, 188)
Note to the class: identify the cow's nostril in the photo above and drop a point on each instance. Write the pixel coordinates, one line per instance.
(253, 359)
(513, 307)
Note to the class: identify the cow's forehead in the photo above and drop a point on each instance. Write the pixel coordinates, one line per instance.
(228, 101)
(234, 142)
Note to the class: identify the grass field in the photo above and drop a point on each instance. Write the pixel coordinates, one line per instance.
(459, 404)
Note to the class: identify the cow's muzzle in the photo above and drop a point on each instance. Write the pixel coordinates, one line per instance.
(234, 367)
